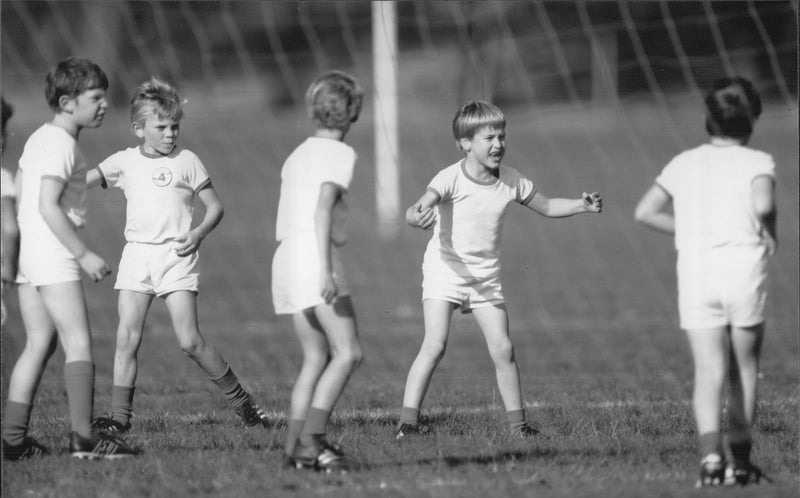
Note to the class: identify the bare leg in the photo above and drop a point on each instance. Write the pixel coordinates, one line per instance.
(66, 307)
(132, 307)
(315, 359)
(710, 354)
(743, 376)
(339, 323)
(437, 328)
(493, 321)
(40, 344)
(182, 306)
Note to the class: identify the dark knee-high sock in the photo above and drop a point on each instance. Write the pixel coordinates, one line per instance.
(122, 403)
(79, 381)
(16, 419)
(741, 445)
(516, 419)
(229, 384)
(293, 430)
(710, 442)
(409, 415)
(316, 425)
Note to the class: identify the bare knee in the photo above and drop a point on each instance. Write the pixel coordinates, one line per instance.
(76, 346)
(502, 354)
(433, 351)
(42, 350)
(192, 346)
(711, 373)
(350, 356)
(316, 360)
(128, 340)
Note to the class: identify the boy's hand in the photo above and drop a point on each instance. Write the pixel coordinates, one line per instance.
(94, 266)
(425, 218)
(592, 202)
(327, 287)
(187, 243)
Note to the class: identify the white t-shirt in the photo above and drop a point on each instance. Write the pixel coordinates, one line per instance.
(7, 188)
(710, 188)
(314, 162)
(51, 152)
(160, 191)
(470, 215)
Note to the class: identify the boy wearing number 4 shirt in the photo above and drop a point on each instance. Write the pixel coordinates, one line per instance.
(160, 181)
(466, 204)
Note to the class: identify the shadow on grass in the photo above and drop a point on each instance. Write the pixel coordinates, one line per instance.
(386, 417)
(454, 461)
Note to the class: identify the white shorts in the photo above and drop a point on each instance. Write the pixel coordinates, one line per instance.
(466, 293)
(43, 259)
(156, 269)
(722, 286)
(296, 274)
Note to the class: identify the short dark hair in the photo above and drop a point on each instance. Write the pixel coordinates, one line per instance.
(733, 105)
(72, 77)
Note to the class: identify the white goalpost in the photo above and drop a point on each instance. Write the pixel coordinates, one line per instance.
(387, 174)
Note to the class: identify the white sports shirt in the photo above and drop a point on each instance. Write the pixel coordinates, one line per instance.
(51, 152)
(314, 162)
(470, 215)
(710, 188)
(160, 191)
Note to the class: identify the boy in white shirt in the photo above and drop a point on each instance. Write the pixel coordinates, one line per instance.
(308, 279)
(52, 209)
(466, 204)
(9, 229)
(161, 181)
(722, 196)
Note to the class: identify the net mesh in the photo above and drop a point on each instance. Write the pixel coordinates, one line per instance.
(599, 96)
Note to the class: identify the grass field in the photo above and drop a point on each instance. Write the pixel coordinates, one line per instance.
(606, 372)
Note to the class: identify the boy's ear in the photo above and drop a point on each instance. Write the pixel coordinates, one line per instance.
(66, 103)
(466, 144)
(136, 128)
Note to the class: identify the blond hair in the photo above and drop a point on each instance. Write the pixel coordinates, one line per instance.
(334, 100)
(155, 98)
(474, 116)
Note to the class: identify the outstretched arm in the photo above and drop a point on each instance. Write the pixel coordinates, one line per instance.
(652, 210)
(421, 214)
(559, 208)
(94, 178)
(763, 193)
(190, 241)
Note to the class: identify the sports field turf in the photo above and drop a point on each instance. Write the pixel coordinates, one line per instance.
(605, 370)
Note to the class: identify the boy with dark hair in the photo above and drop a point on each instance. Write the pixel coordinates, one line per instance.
(52, 208)
(722, 196)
